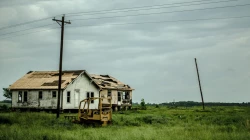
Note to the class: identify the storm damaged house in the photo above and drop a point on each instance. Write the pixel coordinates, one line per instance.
(38, 90)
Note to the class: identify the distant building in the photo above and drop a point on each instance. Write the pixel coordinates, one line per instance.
(37, 90)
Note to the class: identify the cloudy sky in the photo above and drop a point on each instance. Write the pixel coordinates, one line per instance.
(156, 59)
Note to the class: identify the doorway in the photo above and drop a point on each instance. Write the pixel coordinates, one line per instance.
(77, 98)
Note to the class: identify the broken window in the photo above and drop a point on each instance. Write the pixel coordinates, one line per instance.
(92, 95)
(25, 96)
(109, 93)
(87, 94)
(127, 95)
(20, 96)
(68, 97)
(119, 96)
(40, 95)
(53, 94)
(123, 95)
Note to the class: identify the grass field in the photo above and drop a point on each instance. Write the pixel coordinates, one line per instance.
(216, 123)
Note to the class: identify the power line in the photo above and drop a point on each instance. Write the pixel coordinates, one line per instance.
(162, 12)
(29, 22)
(30, 33)
(33, 21)
(133, 9)
(25, 29)
(94, 12)
(151, 22)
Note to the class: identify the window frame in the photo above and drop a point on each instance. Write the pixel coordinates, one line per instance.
(68, 96)
(123, 95)
(25, 96)
(92, 94)
(127, 95)
(20, 96)
(53, 94)
(109, 94)
(119, 96)
(40, 95)
(87, 95)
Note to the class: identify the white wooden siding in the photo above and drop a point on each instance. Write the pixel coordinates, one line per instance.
(78, 91)
(33, 101)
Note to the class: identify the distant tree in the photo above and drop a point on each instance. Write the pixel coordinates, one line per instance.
(7, 93)
(157, 106)
(143, 104)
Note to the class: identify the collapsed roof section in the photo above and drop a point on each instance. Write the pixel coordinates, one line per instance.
(109, 82)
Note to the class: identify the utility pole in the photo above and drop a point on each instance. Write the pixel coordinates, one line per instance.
(199, 83)
(61, 23)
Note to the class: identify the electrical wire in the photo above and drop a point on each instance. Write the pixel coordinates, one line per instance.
(24, 23)
(25, 29)
(30, 33)
(133, 9)
(129, 23)
(94, 12)
(161, 12)
(150, 22)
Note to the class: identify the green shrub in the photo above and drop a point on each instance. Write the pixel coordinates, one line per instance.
(143, 105)
(147, 119)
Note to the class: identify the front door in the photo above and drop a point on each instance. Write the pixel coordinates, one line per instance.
(77, 98)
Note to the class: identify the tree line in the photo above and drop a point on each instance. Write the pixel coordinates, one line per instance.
(193, 103)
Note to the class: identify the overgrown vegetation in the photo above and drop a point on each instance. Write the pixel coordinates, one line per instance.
(215, 123)
(5, 105)
(143, 104)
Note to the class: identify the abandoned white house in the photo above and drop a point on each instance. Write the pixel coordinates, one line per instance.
(38, 90)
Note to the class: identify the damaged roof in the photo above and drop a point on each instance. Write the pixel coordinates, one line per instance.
(49, 80)
(109, 82)
(45, 79)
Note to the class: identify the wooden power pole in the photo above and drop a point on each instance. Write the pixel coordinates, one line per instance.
(61, 23)
(199, 83)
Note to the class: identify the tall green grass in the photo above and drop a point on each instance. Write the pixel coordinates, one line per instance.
(217, 123)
